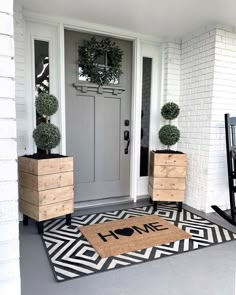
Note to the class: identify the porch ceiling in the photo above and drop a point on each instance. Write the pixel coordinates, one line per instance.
(160, 18)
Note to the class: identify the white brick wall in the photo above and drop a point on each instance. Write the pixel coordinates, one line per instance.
(223, 101)
(171, 68)
(207, 74)
(197, 73)
(9, 220)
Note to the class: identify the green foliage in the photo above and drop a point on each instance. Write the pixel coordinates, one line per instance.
(46, 104)
(170, 111)
(169, 135)
(89, 53)
(46, 136)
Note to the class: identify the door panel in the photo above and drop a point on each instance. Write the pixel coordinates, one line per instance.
(95, 126)
(108, 139)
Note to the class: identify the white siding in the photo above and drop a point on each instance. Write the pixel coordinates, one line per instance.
(9, 219)
(21, 108)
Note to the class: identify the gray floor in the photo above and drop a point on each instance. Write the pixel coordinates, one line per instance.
(209, 271)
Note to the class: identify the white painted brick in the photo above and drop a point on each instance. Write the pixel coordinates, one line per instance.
(9, 211)
(7, 67)
(7, 128)
(7, 45)
(8, 149)
(9, 270)
(7, 108)
(6, 23)
(8, 170)
(6, 6)
(7, 87)
(9, 250)
(9, 190)
(9, 231)
(11, 286)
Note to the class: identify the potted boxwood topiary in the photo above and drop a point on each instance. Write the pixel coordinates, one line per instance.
(46, 179)
(168, 167)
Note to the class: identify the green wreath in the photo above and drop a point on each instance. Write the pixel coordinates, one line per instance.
(90, 51)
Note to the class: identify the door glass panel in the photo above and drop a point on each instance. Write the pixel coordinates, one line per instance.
(145, 115)
(41, 69)
(41, 53)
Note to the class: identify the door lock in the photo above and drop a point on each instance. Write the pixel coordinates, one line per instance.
(126, 138)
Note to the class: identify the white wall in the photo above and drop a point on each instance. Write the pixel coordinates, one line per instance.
(9, 232)
(197, 73)
(207, 75)
(21, 108)
(223, 101)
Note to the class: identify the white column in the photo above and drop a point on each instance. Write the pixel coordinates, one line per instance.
(9, 220)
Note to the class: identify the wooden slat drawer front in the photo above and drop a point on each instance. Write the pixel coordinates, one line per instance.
(53, 196)
(28, 165)
(167, 195)
(55, 210)
(168, 159)
(45, 182)
(29, 195)
(57, 165)
(45, 166)
(169, 171)
(28, 180)
(48, 211)
(55, 180)
(29, 209)
(48, 196)
(167, 183)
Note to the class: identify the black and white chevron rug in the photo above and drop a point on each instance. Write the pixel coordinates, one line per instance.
(72, 256)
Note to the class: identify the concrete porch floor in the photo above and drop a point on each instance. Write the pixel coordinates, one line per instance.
(209, 271)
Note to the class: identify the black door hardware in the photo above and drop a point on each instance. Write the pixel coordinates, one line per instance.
(126, 138)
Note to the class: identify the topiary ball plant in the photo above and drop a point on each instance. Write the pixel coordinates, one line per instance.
(170, 111)
(169, 134)
(46, 135)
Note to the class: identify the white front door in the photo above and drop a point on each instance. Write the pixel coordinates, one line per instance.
(97, 126)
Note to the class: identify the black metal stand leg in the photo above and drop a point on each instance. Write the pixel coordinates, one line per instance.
(155, 205)
(180, 206)
(68, 219)
(40, 227)
(25, 219)
(150, 200)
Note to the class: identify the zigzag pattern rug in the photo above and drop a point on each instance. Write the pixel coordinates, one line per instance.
(72, 256)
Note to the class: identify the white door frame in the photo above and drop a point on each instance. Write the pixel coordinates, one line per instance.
(63, 24)
(151, 51)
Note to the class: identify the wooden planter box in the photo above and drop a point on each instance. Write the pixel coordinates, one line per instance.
(167, 176)
(46, 188)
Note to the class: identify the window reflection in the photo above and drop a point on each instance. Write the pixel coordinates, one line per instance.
(41, 53)
(145, 115)
(41, 70)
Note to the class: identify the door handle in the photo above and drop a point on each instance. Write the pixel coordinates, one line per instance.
(126, 138)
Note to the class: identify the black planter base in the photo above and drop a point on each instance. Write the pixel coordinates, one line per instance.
(40, 223)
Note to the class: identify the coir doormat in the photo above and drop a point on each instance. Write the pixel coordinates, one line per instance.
(72, 256)
(126, 235)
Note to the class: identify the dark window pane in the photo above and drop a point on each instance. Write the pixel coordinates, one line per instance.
(41, 53)
(41, 69)
(145, 115)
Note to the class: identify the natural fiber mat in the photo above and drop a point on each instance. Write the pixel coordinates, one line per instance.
(122, 236)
